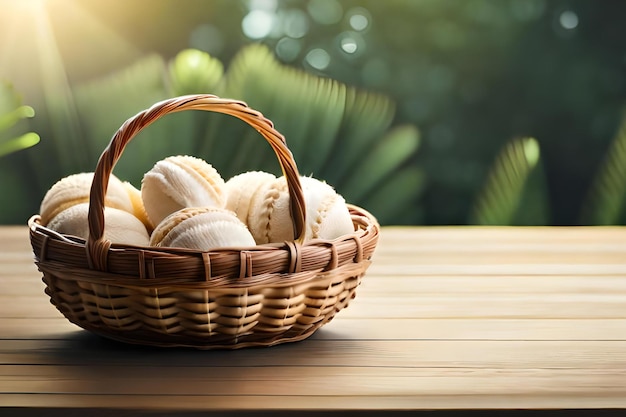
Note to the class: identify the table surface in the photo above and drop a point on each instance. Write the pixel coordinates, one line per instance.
(446, 318)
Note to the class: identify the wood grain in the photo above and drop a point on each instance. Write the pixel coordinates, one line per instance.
(446, 318)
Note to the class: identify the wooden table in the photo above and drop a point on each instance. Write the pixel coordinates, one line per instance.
(445, 319)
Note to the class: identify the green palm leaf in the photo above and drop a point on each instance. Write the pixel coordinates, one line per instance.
(607, 199)
(194, 72)
(18, 143)
(502, 197)
(229, 144)
(15, 181)
(307, 109)
(366, 119)
(381, 162)
(11, 114)
(335, 132)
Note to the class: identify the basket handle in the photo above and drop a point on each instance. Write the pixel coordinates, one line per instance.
(97, 247)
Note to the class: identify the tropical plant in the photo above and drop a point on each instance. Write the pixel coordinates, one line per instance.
(14, 136)
(12, 113)
(514, 192)
(606, 202)
(337, 133)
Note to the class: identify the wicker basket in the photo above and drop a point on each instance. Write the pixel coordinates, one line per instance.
(227, 298)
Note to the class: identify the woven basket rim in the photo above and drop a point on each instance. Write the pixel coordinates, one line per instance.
(296, 262)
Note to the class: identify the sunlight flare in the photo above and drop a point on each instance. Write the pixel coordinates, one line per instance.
(45, 41)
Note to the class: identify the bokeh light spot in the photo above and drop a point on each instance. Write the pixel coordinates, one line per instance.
(296, 24)
(568, 20)
(359, 22)
(318, 58)
(349, 45)
(258, 24)
(531, 151)
(288, 49)
(359, 19)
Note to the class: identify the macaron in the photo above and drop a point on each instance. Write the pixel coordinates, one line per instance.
(202, 228)
(75, 189)
(269, 216)
(137, 203)
(120, 226)
(240, 188)
(177, 182)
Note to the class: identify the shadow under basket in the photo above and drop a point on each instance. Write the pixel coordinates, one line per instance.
(227, 298)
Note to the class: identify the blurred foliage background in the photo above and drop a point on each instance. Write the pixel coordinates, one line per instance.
(422, 111)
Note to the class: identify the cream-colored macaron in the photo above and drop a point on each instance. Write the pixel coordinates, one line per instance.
(138, 209)
(75, 189)
(120, 226)
(240, 188)
(202, 228)
(177, 182)
(269, 217)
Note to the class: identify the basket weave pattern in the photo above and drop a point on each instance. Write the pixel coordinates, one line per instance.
(225, 298)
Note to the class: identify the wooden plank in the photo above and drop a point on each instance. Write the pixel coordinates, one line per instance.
(555, 297)
(399, 236)
(54, 327)
(140, 374)
(14, 237)
(408, 287)
(29, 307)
(402, 286)
(399, 247)
(576, 306)
(313, 381)
(460, 305)
(476, 329)
(400, 269)
(87, 351)
(528, 307)
(18, 266)
(473, 252)
(22, 286)
(337, 405)
(343, 328)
